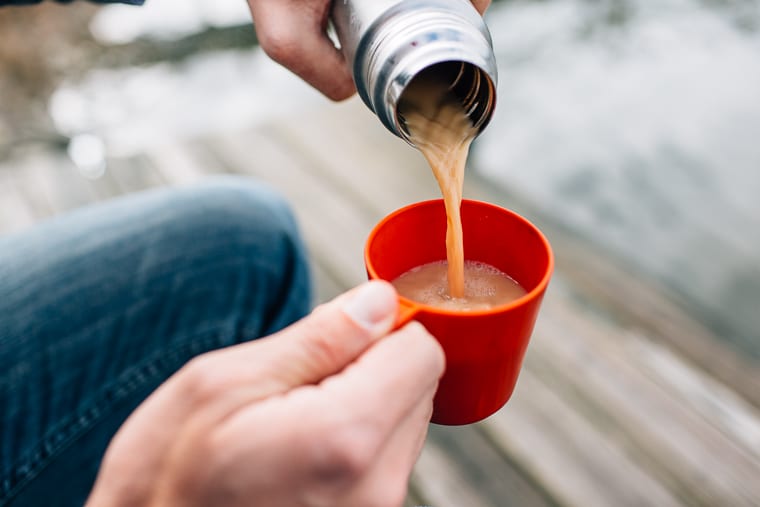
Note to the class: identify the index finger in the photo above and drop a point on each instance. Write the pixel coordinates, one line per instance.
(392, 377)
(293, 33)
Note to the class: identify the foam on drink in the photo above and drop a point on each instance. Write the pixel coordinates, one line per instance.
(485, 286)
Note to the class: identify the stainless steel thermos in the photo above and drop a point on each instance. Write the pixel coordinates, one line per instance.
(389, 42)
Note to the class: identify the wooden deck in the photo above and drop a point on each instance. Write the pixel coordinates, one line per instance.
(624, 400)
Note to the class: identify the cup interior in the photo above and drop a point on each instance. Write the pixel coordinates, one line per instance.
(416, 235)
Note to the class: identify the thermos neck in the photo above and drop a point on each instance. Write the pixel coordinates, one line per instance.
(446, 38)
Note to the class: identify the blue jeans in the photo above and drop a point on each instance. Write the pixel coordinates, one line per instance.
(99, 307)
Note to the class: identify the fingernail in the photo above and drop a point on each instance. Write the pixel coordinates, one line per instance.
(373, 306)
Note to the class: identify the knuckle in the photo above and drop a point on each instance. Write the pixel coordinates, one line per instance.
(333, 339)
(348, 453)
(200, 380)
(345, 452)
(279, 43)
(322, 350)
(341, 90)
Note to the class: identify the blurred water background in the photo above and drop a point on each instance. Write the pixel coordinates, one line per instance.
(635, 123)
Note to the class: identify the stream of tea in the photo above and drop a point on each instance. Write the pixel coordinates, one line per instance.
(440, 128)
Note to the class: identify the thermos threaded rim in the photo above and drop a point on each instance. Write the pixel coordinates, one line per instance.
(445, 38)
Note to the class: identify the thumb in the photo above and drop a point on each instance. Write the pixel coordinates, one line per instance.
(335, 334)
(307, 352)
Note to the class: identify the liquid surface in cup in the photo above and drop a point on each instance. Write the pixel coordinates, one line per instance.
(485, 286)
(440, 128)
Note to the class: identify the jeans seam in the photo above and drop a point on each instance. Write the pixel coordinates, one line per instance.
(72, 429)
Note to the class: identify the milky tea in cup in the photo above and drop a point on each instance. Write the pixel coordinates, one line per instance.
(485, 286)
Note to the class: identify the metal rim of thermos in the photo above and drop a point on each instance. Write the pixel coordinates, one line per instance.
(403, 42)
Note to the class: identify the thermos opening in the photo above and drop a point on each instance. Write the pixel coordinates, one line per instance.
(466, 83)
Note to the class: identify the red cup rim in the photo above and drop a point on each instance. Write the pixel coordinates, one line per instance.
(529, 296)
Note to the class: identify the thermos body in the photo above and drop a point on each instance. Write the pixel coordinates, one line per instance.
(389, 42)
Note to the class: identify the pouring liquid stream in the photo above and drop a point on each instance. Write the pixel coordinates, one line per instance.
(440, 128)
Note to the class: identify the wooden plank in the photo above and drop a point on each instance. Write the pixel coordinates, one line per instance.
(656, 369)
(351, 148)
(412, 500)
(671, 441)
(332, 225)
(640, 304)
(105, 186)
(176, 164)
(62, 184)
(33, 188)
(15, 213)
(484, 469)
(566, 454)
(713, 401)
(135, 173)
(438, 481)
(633, 301)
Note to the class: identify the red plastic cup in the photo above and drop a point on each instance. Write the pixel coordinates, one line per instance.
(484, 348)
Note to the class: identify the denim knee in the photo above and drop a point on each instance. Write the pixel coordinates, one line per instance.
(234, 204)
(250, 228)
(225, 252)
